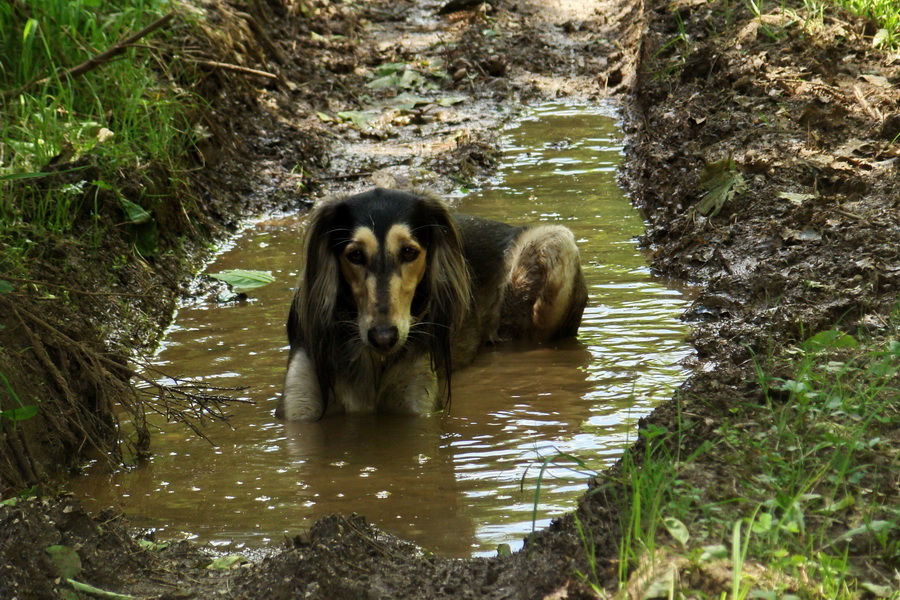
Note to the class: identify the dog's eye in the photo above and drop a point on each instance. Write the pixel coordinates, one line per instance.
(356, 257)
(409, 253)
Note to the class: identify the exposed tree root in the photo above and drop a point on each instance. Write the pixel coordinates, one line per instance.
(92, 384)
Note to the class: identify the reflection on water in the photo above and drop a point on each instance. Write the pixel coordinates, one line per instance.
(459, 484)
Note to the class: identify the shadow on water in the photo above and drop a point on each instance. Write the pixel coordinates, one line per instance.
(461, 483)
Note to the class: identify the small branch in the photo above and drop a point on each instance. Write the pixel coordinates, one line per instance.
(101, 59)
(347, 176)
(861, 98)
(229, 67)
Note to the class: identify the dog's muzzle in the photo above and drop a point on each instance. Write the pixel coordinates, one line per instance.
(383, 338)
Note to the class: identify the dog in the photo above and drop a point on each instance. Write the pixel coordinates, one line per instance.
(398, 292)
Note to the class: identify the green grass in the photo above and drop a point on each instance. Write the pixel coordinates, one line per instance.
(795, 497)
(886, 13)
(120, 117)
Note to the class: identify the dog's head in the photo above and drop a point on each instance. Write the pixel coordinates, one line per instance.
(391, 260)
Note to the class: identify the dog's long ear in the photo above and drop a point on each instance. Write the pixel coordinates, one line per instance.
(448, 283)
(312, 321)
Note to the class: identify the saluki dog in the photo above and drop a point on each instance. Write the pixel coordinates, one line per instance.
(398, 292)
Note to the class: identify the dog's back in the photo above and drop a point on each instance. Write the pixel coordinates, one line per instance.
(527, 283)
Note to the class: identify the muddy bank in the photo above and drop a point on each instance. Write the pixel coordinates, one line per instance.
(800, 141)
(76, 308)
(786, 137)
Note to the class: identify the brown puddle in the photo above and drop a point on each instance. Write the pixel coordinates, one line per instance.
(458, 484)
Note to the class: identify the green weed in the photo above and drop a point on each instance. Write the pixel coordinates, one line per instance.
(19, 411)
(119, 118)
(802, 502)
(886, 13)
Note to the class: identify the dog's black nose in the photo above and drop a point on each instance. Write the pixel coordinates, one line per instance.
(383, 337)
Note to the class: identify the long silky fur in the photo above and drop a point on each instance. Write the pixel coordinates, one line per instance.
(447, 281)
(322, 314)
(314, 311)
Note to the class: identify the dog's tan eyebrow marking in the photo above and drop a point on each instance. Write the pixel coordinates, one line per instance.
(398, 237)
(363, 239)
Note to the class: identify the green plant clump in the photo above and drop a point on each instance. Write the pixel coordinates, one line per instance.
(886, 13)
(116, 117)
(792, 498)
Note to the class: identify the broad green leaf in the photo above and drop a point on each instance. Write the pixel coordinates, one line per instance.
(411, 79)
(722, 181)
(390, 68)
(404, 80)
(5, 287)
(103, 185)
(677, 530)
(763, 523)
(152, 546)
(359, 118)
(845, 502)
(383, 83)
(146, 239)
(883, 369)
(20, 414)
(134, 212)
(243, 280)
(450, 100)
(65, 559)
(406, 101)
(831, 338)
(660, 586)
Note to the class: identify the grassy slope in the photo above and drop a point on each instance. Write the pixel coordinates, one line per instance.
(104, 208)
(791, 496)
(120, 117)
(792, 491)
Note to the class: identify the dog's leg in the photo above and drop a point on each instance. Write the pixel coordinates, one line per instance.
(546, 292)
(411, 388)
(301, 399)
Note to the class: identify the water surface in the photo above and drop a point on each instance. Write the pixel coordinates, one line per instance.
(458, 484)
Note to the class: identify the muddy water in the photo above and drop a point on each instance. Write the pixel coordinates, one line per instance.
(458, 484)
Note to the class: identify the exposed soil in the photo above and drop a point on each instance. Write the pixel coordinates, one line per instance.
(805, 109)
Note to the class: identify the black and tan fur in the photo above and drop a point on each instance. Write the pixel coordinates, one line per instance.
(398, 292)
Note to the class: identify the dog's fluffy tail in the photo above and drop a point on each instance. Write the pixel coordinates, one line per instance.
(545, 272)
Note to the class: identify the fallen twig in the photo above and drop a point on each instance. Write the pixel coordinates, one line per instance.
(237, 68)
(102, 58)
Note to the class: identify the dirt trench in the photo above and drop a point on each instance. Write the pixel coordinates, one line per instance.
(800, 123)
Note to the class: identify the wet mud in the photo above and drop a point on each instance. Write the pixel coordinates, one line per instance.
(806, 118)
